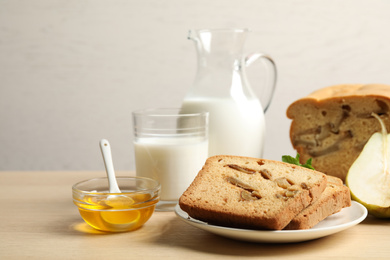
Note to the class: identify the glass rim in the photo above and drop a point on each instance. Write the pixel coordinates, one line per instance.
(155, 187)
(221, 30)
(175, 112)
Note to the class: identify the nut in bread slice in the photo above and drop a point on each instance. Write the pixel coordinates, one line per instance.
(251, 193)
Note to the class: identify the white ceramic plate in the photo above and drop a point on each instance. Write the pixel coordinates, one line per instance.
(340, 221)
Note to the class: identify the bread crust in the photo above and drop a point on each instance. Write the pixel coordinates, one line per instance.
(332, 124)
(212, 198)
(335, 197)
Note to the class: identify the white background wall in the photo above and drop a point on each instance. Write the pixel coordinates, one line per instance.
(71, 71)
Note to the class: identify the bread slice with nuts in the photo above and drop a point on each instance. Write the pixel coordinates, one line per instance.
(335, 197)
(251, 193)
(332, 124)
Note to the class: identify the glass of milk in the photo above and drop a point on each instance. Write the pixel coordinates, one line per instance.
(170, 147)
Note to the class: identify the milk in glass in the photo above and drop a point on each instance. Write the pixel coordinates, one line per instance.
(174, 162)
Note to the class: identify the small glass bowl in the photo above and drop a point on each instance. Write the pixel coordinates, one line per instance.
(116, 212)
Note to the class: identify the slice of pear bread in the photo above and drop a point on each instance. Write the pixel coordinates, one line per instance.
(251, 193)
(335, 197)
(332, 124)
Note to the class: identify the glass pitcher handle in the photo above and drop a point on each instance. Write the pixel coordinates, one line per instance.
(270, 85)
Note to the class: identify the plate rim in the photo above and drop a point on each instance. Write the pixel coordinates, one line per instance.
(311, 233)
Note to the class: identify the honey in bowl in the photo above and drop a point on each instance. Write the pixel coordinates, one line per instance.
(126, 211)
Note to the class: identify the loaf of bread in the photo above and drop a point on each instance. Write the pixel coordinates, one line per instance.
(333, 124)
(335, 197)
(251, 193)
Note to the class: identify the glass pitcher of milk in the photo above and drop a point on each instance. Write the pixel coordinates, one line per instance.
(236, 115)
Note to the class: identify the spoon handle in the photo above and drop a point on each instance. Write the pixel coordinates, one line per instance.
(107, 157)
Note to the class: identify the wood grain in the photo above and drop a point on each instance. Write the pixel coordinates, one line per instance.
(39, 221)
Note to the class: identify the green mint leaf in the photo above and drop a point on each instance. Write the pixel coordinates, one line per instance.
(291, 160)
(308, 164)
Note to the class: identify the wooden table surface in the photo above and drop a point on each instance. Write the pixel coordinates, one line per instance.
(38, 220)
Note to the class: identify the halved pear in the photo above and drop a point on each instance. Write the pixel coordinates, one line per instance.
(369, 177)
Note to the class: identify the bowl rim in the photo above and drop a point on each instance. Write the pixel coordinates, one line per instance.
(156, 187)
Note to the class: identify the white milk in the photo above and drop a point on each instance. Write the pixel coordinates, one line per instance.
(235, 128)
(174, 162)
